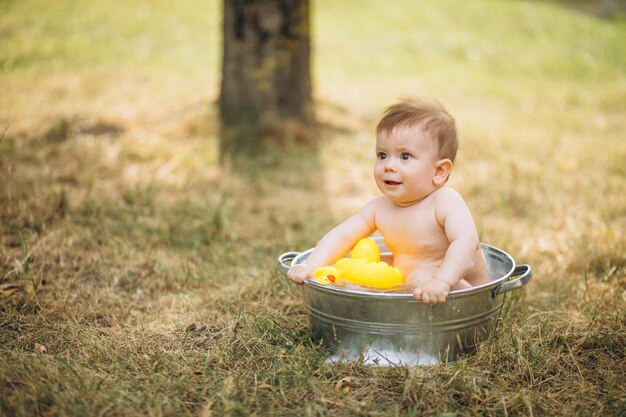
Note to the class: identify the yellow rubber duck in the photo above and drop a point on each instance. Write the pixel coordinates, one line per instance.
(363, 267)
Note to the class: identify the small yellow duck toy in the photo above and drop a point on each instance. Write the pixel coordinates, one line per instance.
(363, 267)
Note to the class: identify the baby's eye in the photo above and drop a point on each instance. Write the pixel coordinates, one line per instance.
(405, 156)
(381, 155)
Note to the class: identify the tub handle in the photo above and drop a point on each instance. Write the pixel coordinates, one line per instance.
(523, 273)
(286, 257)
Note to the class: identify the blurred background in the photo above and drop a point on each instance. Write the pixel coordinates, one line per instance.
(137, 263)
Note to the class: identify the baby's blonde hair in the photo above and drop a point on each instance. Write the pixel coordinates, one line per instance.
(427, 114)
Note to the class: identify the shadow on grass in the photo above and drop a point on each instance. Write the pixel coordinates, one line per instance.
(277, 182)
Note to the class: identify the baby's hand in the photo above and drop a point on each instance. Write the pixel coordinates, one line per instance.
(433, 291)
(298, 273)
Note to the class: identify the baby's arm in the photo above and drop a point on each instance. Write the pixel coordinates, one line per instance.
(454, 216)
(336, 243)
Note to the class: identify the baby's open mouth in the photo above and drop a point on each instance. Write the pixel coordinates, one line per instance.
(392, 183)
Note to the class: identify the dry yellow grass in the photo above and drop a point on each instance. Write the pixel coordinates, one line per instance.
(137, 276)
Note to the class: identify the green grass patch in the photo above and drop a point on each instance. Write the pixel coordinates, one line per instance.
(137, 275)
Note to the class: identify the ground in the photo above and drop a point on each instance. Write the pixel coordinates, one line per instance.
(138, 275)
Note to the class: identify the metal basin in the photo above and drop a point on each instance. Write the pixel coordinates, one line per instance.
(392, 328)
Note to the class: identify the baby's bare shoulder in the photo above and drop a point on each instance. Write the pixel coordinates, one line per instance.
(446, 196)
(448, 202)
(372, 209)
(376, 204)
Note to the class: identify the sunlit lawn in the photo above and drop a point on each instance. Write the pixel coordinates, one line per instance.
(137, 276)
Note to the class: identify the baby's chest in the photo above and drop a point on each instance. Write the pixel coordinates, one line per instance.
(410, 227)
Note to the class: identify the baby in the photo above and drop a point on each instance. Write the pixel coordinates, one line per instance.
(425, 223)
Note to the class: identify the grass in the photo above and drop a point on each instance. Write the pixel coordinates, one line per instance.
(137, 276)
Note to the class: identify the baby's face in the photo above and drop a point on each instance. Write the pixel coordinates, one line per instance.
(405, 165)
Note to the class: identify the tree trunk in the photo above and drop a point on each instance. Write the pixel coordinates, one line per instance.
(266, 67)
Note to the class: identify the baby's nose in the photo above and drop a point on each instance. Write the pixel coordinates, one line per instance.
(390, 165)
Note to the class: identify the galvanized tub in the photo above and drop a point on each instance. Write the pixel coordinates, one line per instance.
(392, 328)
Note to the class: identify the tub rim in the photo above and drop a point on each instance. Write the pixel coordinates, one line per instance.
(299, 257)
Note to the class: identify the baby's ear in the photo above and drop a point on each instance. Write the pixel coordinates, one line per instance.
(443, 167)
